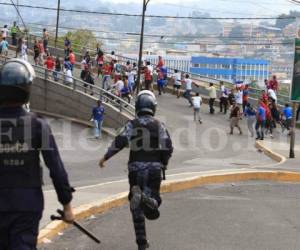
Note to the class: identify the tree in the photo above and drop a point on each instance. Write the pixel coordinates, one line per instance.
(81, 39)
(281, 23)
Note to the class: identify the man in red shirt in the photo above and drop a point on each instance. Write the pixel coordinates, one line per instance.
(72, 58)
(264, 96)
(274, 84)
(49, 64)
(148, 78)
(161, 63)
(107, 70)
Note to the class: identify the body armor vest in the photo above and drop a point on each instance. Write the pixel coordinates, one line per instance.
(19, 152)
(145, 142)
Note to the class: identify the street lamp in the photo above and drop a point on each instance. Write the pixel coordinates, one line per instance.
(57, 22)
(145, 3)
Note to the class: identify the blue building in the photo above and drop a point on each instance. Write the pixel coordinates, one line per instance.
(231, 69)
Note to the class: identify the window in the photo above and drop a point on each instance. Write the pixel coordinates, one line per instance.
(202, 65)
(226, 66)
(196, 65)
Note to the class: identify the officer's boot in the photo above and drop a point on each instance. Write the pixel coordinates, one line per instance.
(144, 246)
(139, 198)
(148, 204)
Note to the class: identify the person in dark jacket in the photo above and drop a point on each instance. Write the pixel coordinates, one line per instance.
(150, 151)
(23, 137)
(88, 78)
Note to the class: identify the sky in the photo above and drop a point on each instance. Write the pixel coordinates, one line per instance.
(227, 7)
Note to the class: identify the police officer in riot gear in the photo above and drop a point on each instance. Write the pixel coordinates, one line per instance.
(150, 150)
(23, 136)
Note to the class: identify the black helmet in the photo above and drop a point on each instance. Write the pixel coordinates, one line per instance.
(145, 103)
(16, 77)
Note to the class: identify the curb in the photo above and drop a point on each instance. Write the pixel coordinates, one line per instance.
(82, 212)
(216, 177)
(280, 159)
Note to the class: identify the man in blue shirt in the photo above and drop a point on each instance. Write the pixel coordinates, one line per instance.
(4, 47)
(97, 117)
(287, 117)
(260, 122)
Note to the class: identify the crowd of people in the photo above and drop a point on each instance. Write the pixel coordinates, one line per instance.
(121, 80)
(263, 118)
(5, 31)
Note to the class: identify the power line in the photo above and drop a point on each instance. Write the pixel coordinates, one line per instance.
(294, 1)
(198, 43)
(19, 14)
(162, 36)
(148, 16)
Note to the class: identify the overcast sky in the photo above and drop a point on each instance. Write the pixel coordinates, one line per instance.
(228, 7)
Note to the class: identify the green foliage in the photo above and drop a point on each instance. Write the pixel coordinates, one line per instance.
(281, 23)
(80, 39)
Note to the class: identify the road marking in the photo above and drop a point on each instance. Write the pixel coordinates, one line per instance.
(171, 175)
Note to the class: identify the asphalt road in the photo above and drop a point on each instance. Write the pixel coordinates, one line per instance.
(197, 147)
(239, 216)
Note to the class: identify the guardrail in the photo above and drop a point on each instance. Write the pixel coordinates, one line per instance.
(82, 87)
(255, 93)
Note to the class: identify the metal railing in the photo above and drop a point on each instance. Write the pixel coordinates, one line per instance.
(255, 93)
(82, 87)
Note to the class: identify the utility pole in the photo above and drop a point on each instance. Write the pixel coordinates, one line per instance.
(293, 132)
(145, 3)
(18, 20)
(57, 22)
(295, 96)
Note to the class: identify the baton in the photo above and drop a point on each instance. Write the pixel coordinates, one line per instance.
(77, 225)
(164, 173)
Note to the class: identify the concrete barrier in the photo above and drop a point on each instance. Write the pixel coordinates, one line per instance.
(62, 100)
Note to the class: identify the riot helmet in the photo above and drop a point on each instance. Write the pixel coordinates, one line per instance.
(145, 103)
(16, 78)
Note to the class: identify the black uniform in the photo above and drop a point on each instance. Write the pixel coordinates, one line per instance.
(23, 137)
(150, 150)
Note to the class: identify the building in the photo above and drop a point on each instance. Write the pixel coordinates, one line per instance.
(247, 29)
(282, 70)
(231, 69)
(179, 62)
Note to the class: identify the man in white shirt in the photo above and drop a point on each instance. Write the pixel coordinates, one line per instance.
(239, 98)
(272, 95)
(188, 89)
(119, 85)
(223, 98)
(212, 93)
(4, 32)
(197, 101)
(177, 82)
(150, 68)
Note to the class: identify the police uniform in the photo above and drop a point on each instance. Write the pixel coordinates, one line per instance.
(150, 150)
(23, 137)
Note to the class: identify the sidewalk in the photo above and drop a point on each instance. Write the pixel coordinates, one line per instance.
(282, 147)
